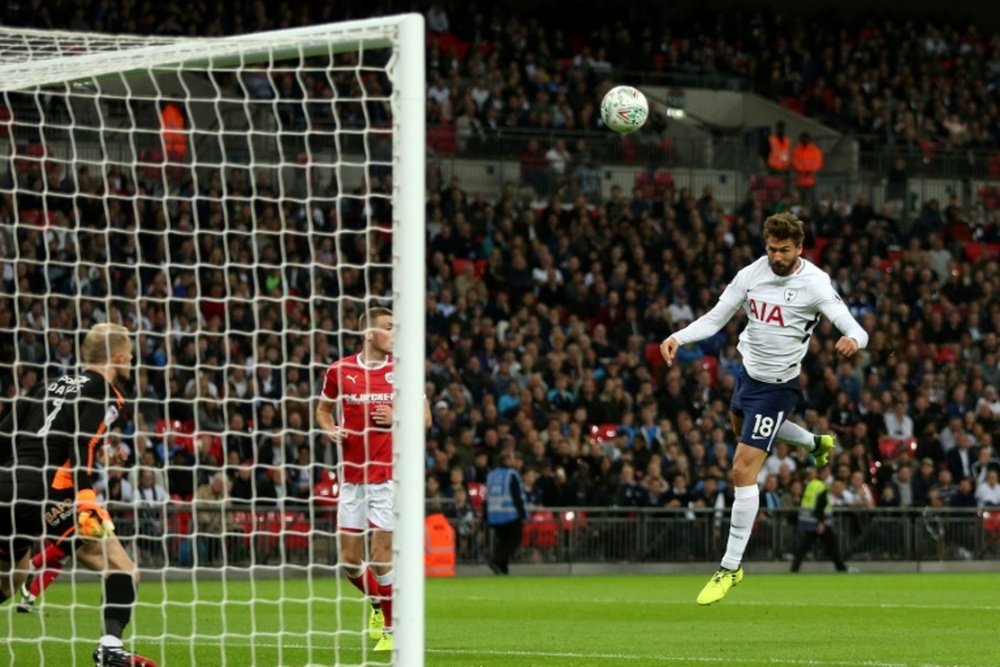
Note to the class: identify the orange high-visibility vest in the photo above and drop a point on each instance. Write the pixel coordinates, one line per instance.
(780, 156)
(172, 127)
(439, 547)
(807, 160)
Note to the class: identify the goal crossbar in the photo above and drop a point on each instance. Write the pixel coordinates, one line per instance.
(30, 58)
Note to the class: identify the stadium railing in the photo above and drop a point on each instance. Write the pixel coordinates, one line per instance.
(266, 532)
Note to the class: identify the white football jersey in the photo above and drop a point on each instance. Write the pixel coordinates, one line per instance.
(782, 312)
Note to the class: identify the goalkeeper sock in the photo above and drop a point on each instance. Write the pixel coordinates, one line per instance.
(745, 508)
(46, 565)
(385, 582)
(794, 434)
(119, 596)
(45, 578)
(50, 555)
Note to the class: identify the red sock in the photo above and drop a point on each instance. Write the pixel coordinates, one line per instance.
(50, 554)
(385, 592)
(47, 564)
(366, 583)
(45, 578)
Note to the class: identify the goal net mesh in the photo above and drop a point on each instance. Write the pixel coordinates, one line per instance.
(231, 202)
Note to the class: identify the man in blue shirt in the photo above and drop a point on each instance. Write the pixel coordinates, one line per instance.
(505, 510)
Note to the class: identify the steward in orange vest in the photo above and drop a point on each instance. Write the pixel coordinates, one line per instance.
(807, 160)
(174, 136)
(779, 157)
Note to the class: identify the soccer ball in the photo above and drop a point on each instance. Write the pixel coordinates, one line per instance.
(624, 109)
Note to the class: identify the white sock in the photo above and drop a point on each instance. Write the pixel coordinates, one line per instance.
(111, 641)
(745, 508)
(386, 579)
(794, 434)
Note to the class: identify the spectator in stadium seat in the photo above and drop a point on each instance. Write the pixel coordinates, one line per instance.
(151, 500)
(962, 456)
(212, 517)
(988, 492)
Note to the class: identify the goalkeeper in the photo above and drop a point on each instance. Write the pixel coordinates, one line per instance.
(50, 443)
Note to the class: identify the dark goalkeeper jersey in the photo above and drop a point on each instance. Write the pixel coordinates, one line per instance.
(58, 430)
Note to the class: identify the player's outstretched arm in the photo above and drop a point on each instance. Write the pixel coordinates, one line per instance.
(668, 349)
(847, 347)
(854, 335)
(703, 327)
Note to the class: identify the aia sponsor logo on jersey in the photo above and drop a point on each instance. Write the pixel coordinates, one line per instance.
(766, 313)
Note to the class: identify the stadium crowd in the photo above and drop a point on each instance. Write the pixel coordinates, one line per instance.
(543, 315)
(914, 87)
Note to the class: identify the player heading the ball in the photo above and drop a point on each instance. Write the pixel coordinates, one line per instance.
(784, 296)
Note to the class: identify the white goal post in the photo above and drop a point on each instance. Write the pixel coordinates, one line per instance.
(331, 118)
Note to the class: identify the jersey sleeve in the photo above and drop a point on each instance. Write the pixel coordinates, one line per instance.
(834, 308)
(736, 291)
(95, 413)
(711, 322)
(331, 383)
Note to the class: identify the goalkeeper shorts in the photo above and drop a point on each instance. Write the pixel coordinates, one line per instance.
(30, 510)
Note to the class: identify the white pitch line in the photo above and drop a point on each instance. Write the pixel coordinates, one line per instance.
(701, 659)
(756, 603)
(630, 657)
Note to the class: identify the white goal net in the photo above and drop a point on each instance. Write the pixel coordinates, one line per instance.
(237, 203)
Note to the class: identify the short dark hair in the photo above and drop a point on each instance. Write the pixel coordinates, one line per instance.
(370, 316)
(782, 226)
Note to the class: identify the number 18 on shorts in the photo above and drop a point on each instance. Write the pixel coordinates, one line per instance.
(763, 406)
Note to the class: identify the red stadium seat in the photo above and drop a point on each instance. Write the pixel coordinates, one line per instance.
(663, 180)
(477, 496)
(573, 520)
(297, 529)
(973, 251)
(821, 243)
(888, 448)
(993, 165)
(711, 364)
(459, 264)
(653, 357)
(326, 492)
(442, 139)
(541, 532)
(603, 432)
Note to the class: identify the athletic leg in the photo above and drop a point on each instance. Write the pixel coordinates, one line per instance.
(121, 577)
(379, 510)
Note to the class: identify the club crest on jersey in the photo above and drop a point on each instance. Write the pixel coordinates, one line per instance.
(790, 295)
(767, 313)
(388, 377)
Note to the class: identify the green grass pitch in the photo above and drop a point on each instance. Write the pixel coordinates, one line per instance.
(931, 620)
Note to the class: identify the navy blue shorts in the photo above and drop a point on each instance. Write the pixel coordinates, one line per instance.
(763, 406)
